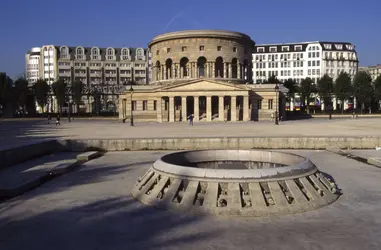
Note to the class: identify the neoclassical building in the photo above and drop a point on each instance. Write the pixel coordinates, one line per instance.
(207, 73)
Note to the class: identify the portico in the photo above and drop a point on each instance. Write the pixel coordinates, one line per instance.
(207, 100)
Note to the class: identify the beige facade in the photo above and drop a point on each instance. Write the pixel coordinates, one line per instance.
(206, 73)
(206, 99)
(374, 71)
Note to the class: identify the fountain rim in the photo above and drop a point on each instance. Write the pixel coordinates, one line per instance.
(302, 166)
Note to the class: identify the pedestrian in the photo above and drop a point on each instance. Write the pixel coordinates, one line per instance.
(58, 120)
(190, 118)
(272, 117)
(49, 118)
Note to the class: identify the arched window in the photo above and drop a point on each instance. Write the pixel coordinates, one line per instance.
(140, 54)
(64, 52)
(184, 67)
(219, 68)
(95, 53)
(234, 68)
(201, 66)
(168, 66)
(80, 53)
(125, 54)
(110, 53)
(158, 71)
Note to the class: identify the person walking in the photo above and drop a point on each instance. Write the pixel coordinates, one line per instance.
(190, 118)
(58, 120)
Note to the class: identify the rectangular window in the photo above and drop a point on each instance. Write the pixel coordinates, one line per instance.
(259, 104)
(309, 63)
(219, 48)
(309, 54)
(309, 72)
(298, 47)
(313, 63)
(317, 63)
(313, 72)
(133, 105)
(202, 48)
(285, 48)
(272, 49)
(259, 50)
(168, 50)
(318, 71)
(154, 105)
(270, 104)
(145, 105)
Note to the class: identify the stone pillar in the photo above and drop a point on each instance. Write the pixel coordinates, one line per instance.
(165, 73)
(213, 69)
(171, 109)
(184, 108)
(238, 70)
(196, 109)
(173, 70)
(159, 115)
(246, 108)
(208, 108)
(207, 69)
(233, 109)
(188, 71)
(225, 69)
(221, 108)
(230, 74)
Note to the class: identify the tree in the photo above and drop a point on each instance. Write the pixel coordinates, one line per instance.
(41, 91)
(362, 89)
(377, 90)
(3, 85)
(77, 90)
(306, 89)
(272, 79)
(343, 88)
(325, 89)
(292, 87)
(59, 90)
(21, 87)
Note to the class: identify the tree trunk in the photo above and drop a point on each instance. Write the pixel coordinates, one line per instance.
(342, 106)
(78, 110)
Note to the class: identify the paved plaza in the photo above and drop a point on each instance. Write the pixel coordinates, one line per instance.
(91, 208)
(18, 132)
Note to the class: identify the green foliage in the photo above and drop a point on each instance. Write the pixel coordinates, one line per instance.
(362, 88)
(325, 89)
(305, 90)
(377, 89)
(59, 90)
(292, 87)
(41, 91)
(343, 87)
(77, 90)
(3, 86)
(272, 79)
(21, 87)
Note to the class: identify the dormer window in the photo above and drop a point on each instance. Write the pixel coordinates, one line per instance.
(64, 52)
(95, 55)
(80, 53)
(273, 49)
(261, 50)
(285, 48)
(110, 54)
(140, 54)
(298, 47)
(125, 54)
(339, 46)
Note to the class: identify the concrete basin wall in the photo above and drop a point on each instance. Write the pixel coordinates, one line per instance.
(222, 143)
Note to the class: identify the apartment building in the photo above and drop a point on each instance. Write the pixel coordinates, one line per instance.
(32, 59)
(374, 71)
(304, 59)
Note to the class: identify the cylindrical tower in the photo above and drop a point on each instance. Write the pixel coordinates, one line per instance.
(186, 55)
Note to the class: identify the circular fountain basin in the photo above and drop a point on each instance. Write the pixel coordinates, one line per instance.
(235, 182)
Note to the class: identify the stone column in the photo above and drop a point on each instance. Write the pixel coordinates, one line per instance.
(230, 74)
(246, 108)
(221, 108)
(173, 70)
(233, 109)
(159, 115)
(196, 109)
(213, 70)
(225, 69)
(171, 109)
(207, 70)
(165, 73)
(208, 108)
(238, 70)
(184, 108)
(188, 70)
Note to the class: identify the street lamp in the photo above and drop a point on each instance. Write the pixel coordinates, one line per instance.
(276, 104)
(132, 114)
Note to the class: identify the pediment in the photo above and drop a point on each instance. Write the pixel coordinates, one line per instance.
(203, 85)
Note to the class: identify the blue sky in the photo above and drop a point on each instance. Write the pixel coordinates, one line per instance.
(30, 23)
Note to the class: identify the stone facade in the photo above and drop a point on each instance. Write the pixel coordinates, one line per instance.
(204, 73)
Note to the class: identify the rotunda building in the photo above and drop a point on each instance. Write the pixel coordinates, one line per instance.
(194, 54)
(203, 73)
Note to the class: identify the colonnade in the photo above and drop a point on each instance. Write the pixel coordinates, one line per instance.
(195, 70)
(230, 107)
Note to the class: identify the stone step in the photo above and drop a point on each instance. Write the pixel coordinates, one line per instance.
(17, 179)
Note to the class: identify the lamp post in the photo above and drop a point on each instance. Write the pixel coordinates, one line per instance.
(276, 104)
(132, 114)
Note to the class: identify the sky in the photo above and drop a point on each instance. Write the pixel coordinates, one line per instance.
(115, 23)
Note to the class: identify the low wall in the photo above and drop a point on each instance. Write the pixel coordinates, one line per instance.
(14, 155)
(221, 143)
